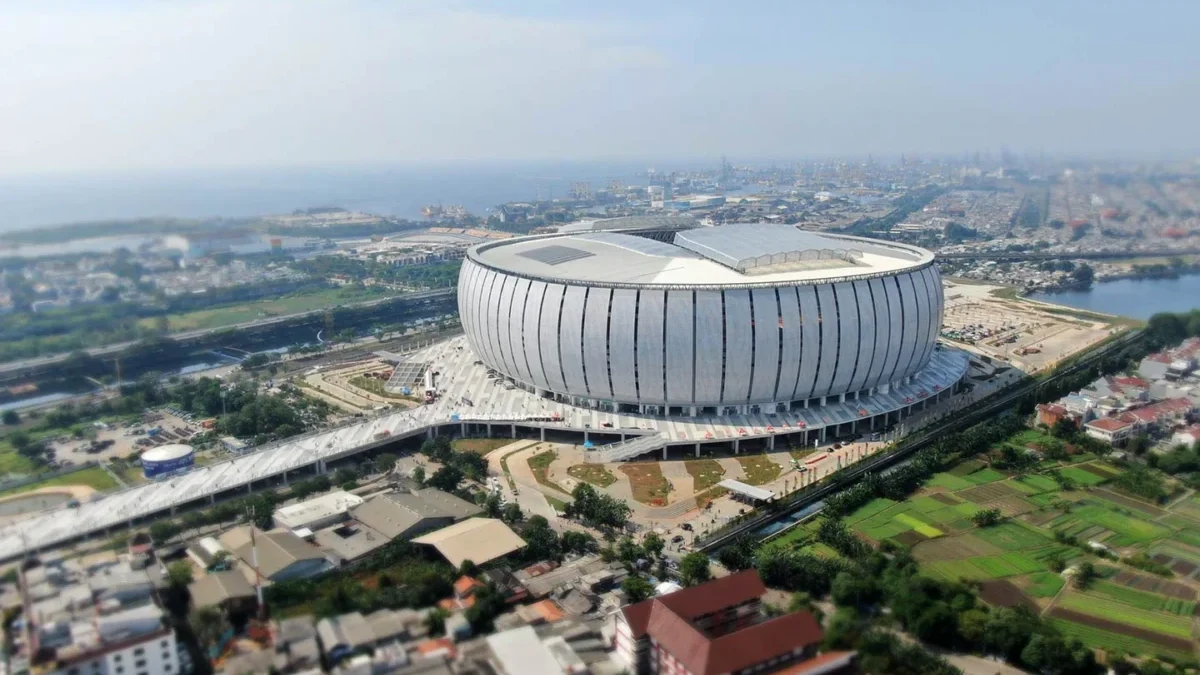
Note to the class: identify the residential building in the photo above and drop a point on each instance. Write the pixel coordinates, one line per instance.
(1189, 436)
(1109, 429)
(102, 619)
(229, 590)
(1051, 413)
(716, 628)
(480, 540)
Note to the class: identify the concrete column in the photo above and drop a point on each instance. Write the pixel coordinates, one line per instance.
(489, 430)
(585, 437)
(463, 430)
(822, 400)
(249, 487)
(664, 453)
(320, 467)
(805, 403)
(212, 499)
(514, 431)
(285, 478)
(737, 447)
(622, 436)
(873, 422)
(543, 435)
(822, 436)
(853, 426)
(697, 451)
(429, 433)
(841, 398)
(770, 442)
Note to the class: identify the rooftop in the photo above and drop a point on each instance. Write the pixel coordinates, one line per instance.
(318, 508)
(479, 540)
(731, 255)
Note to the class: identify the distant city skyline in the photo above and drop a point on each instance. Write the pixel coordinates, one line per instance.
(132, 84)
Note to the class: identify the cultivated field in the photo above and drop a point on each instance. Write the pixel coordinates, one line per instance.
(1055, 517)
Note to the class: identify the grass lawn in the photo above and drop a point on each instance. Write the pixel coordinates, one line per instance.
(647, 481)
(558, 504)
(595, 474)
(12, 462)
(985, 567)
(705, 473)
(705, 498)
(539, 464)
(479, 446)
(261, 309)
(794, 537)
(758, 469)
(1044, 584)
(1039, 483)
(93, 477)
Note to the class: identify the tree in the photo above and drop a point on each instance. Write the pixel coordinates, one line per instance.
(972, 624)
(987, 517)
(1084, 575)
(468, 569)
(385, 462)
(541, 542)
(636, 588)
(653, 544)
(694, 569)
(512, 513)
(179, 574)
(854, 590)
(418, 475)
(445, 479)
(577, 542)
(208, 625)
(12, 417)
(628, 550)
(1064, 428)
(843, 629)
(1083, 275)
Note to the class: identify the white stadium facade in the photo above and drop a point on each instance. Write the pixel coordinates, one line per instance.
(701, 320)
(634, 336)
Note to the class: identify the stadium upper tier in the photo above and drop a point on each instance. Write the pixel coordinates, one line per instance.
(737, 316)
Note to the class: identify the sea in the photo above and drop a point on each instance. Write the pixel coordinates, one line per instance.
(1134, 298)
(396, 190)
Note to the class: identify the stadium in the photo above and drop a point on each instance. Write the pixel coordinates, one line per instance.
(166, 459)
(666, 318)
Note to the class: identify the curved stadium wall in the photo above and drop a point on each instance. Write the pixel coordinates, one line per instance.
(750, 345)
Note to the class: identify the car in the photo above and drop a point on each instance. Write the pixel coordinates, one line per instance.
(686, 526)
(677, 539)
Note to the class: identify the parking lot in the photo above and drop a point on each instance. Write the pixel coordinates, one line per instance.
(112, 441)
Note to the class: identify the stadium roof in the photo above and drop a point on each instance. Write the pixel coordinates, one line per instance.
(727, 256)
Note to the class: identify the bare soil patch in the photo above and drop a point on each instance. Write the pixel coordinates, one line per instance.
(945, 499)
(1177, 644)
(910, 538)
(953, 548)
(1004, 593)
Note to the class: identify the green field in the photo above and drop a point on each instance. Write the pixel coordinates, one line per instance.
(1081, 477)
(1045, 584)
(871, 508)
(1039, 483)
(1013, 536)
(1102, 639)
(93, 477)
(1127, 595)
(1111, 610)
(920, 526)
(982, 568)
(949, 481)
(304, 301)
(984, 476)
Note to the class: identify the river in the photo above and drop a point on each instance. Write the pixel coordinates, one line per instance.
(1134, 298)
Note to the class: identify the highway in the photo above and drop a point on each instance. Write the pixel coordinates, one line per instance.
(185, 336)
(994, 405)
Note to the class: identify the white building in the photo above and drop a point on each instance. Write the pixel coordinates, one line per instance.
(318, 512)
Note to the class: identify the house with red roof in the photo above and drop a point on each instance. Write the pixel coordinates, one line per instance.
(719, 628)
(1113, 430)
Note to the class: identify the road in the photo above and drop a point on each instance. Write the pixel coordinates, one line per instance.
(981, 411)
(199, 333)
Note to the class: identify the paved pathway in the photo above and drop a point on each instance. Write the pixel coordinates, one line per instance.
(677, 475)
(733, 468)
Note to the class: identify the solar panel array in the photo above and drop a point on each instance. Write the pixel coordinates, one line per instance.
(555, 254)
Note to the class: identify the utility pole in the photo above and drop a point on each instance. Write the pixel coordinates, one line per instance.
(254, 561)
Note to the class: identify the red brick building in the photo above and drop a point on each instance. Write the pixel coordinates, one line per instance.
(720, 628)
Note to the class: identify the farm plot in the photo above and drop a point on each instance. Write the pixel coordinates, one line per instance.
(991, 492)
(1182, 561)
(985, 567)
(1013, 536)
(965, 467)
(1128, 596)
(1130, 530)
(954, 548)
(1044, 584)
(919, 525)
(1081, 476)
(1189, 508)
(871, 508)
(1111, 636)
(1157, 585)
(984, 476)
(1004, 593)
(1039, 483)
(948, 481)
(1128, 503)
(1099, 606)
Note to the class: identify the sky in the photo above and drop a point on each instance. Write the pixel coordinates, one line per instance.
(91, 85)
